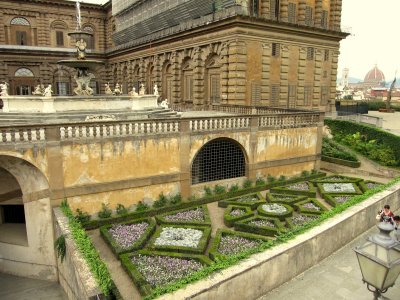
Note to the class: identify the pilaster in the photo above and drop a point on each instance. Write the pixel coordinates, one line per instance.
(176, 81)
(284, 13)
(265, 81)
(284, 75)
(318, 13)
(198, 77)
(237, 72)
(301, 75)
(317, 77)
(224, 59)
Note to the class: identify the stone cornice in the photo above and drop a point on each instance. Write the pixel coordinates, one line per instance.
(63, 3)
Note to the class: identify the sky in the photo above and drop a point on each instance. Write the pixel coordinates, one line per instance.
(374, 33)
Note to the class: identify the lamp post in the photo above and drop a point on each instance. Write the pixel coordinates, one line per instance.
(379, 260)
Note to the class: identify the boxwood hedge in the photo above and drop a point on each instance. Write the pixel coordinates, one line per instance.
(207, 221)
(229, 220)
(300, 208)
(244, 225)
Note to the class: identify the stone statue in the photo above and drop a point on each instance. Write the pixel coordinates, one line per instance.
(83, 82)
(47, 91)
(108, 90)
(133, 92)
(117, 90)
(164, 104)
(81, 48)
(39, 90)
(4, 89)
(142, 89)
(155, 90)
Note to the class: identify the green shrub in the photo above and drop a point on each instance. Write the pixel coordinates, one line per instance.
(82, 216)
(247, 184)
(207, 191)
(219, 189)
(271, 178)
(141, 206)
(260, 181)
(233, 188)
(105, 212)
(191, 198)
(282, 178)
(305, 173)
(176, 199)
(121, 210)
(161, 201)
(331, 149)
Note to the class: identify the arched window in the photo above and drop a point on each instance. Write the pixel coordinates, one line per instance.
(90, 39)
(23, 72)
(217, 160)
(213, 84)
(167, 81)
(187, 81)
(60, 29)
(136, 78)
(20, 21)
(62, 82)
(20, 32)
(150, 78)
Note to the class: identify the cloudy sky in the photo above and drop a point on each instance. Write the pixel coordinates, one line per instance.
(374, 27)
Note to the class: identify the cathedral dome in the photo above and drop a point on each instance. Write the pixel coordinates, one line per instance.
(374, 76)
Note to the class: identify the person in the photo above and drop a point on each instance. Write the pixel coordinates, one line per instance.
(385, 215)
(396, 220)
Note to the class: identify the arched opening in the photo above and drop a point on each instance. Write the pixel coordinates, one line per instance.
(21, 32)
(59, 37)
(24, 81)
(136, 78)
(167, 81)
(62, 82)
(150, 79)
(219, 159)
(187, 81)
(125, 80)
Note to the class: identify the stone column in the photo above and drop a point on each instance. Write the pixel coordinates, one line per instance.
(301, 74)
(317, 77)
(284, 10)
(176, 81)
(284, 74)
(318, 13)
(224, 73)
(198, 77)
(265, 78)
(237, 72)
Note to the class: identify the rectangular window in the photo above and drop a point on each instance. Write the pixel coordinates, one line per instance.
(275, 49)
(24, 90)
(307, 94)
(292, 94)
(95, 87)
(309, 16)
(275, 90)
(324, 19)
(215, 89)
(324, 94)
(254, 8)
(310, 53)
(326, 55)
(292, 12)
(21, 38)
(62, 88)
(255, 93)
(60, 38)
(188, 85)
(274, 9)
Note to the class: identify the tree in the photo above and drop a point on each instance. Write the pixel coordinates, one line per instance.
(389, 96)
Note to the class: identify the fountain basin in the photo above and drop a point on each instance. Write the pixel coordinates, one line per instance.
(88, 64)
(29, 104)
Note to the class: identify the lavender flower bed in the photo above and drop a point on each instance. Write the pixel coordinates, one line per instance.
(311, 205)
(302, 186)
(237, 212)
(274, 208)
(282, 197)
(372, 185)
(302, 219)
(232, 244)
(261, 223)
(342, 199)
(161, 270)
(248, 198)
(184, 237)
(189, 215)
(338, 187)
(126, 235)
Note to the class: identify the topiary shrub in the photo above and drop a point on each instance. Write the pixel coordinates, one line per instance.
(219, 189)
(82, 216)
(247, 184)
(141, 206)
(105, 212)
(121, 209)
(161, 201)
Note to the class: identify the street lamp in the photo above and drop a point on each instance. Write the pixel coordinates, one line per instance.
(379, 260)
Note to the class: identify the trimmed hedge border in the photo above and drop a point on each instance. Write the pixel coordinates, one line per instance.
(322, 190)
(342, 178)
(201, 247)
(343, 162)
(292, 226)
(216, 255)
(230, 220)
(311, 192)
(139, 243)
(140, 281)
(252, 204)
(94, 224)
(330, 198)
(244, 225)
(281, 216)
(364, 187)
(207, 221)
(299, 207)
(275, 198)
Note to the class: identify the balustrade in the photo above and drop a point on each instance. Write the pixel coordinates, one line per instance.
(22, 134)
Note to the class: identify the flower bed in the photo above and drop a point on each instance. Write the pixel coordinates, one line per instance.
(180, 238)
(235, 213)
(260, 225)
(368, 185)
(285, 199)
(228, 242)
(153, 269)
(336, 178)
(339, 187)
(301, 188)
(300, 219)
(275, 210)
(128, 236)
(311, 206)
(336, 199)
(192, 216)
(250, 200)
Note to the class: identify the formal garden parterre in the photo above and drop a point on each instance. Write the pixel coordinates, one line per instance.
(172, 245)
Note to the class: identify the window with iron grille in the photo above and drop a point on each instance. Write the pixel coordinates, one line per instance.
(324, 94)
(275, 89)
(255, 93)
(326, 55)
(274, 9)
(292, 12)
(217, 160)
(310, 53)
(324, 19)
(307, 94)
(276, 49)
(309, 16)
(60, 38)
